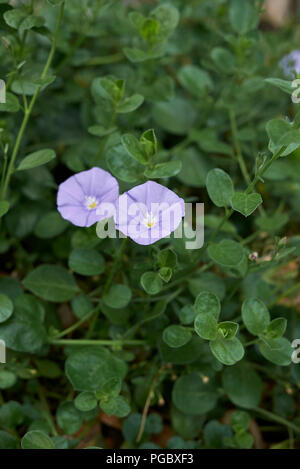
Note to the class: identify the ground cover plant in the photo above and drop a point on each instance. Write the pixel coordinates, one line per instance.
(120, 343)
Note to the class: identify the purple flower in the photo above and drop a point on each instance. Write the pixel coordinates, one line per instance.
(290, 64)
(79, 196)
(148, 213)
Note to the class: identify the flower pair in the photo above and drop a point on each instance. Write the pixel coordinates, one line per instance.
(146, 213)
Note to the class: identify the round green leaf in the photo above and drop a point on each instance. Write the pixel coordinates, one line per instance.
(207, 302)
(86, 262)
(227, 253)
(7, 379)
(192, 396)
(36, 439)
(227, 352)
(256, 316)
(117, 406)
(50, 225)
(280, 356)
(151, 283)
(219, 187)
(195, 80)
(6, 308)
(89, 369)
(242, 385)
(176, 336)
(206, 326)
(7, 441)
(188, 353)
(68, 418)
(85, 401)
(52, 283)
(118, 296)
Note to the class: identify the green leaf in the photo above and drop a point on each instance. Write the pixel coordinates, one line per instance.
(31, 21)
(224, 60)
(134, 149)
(280, 356)
(176, 336)
(168, 17)
(101, 131)
(167, 258)
(192, 396)
(52, 283)
(227, 352)
(188, 353)
(50, 225)
(122, 165)
(194, 168)
(88, 369)
(176, 116)
(81, 305)
(4, 207)
(216, 434)
(276, 328)
(48, 369)
(55, 2)
(6, 307)
(208, 141)
(256, 316)
(243, 16)
(117, 406)
(186, 315)
(7, 441)
(118, 296)
(14, 17)
(165, 273)
(163, 170)
(283, 85)
(219, 187)
(36, 440)
(227, 253)
(245, 203)
(239, 420)
(207, 303)
(7, 380)
(228, 329)
(108, 89)
(206, 326)
(35, 159)
(86, 262)
(148, 143)
(130, 104)
(68, 418)
(195, 80)
(151, 283)
(12, 103)
(242, 385)
(24, 330)
(138, 55)
(110, 388)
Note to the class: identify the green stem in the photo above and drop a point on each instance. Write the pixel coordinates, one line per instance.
(28, 111)
(237, 146)
(76, 325)
(46, 410)
(285, 294)
(112, 343)
(276, 418)
(115, 265)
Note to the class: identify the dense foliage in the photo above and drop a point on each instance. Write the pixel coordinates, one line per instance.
(111, 343)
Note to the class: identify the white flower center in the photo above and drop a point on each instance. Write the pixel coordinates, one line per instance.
(149, 220)
(91, 202)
